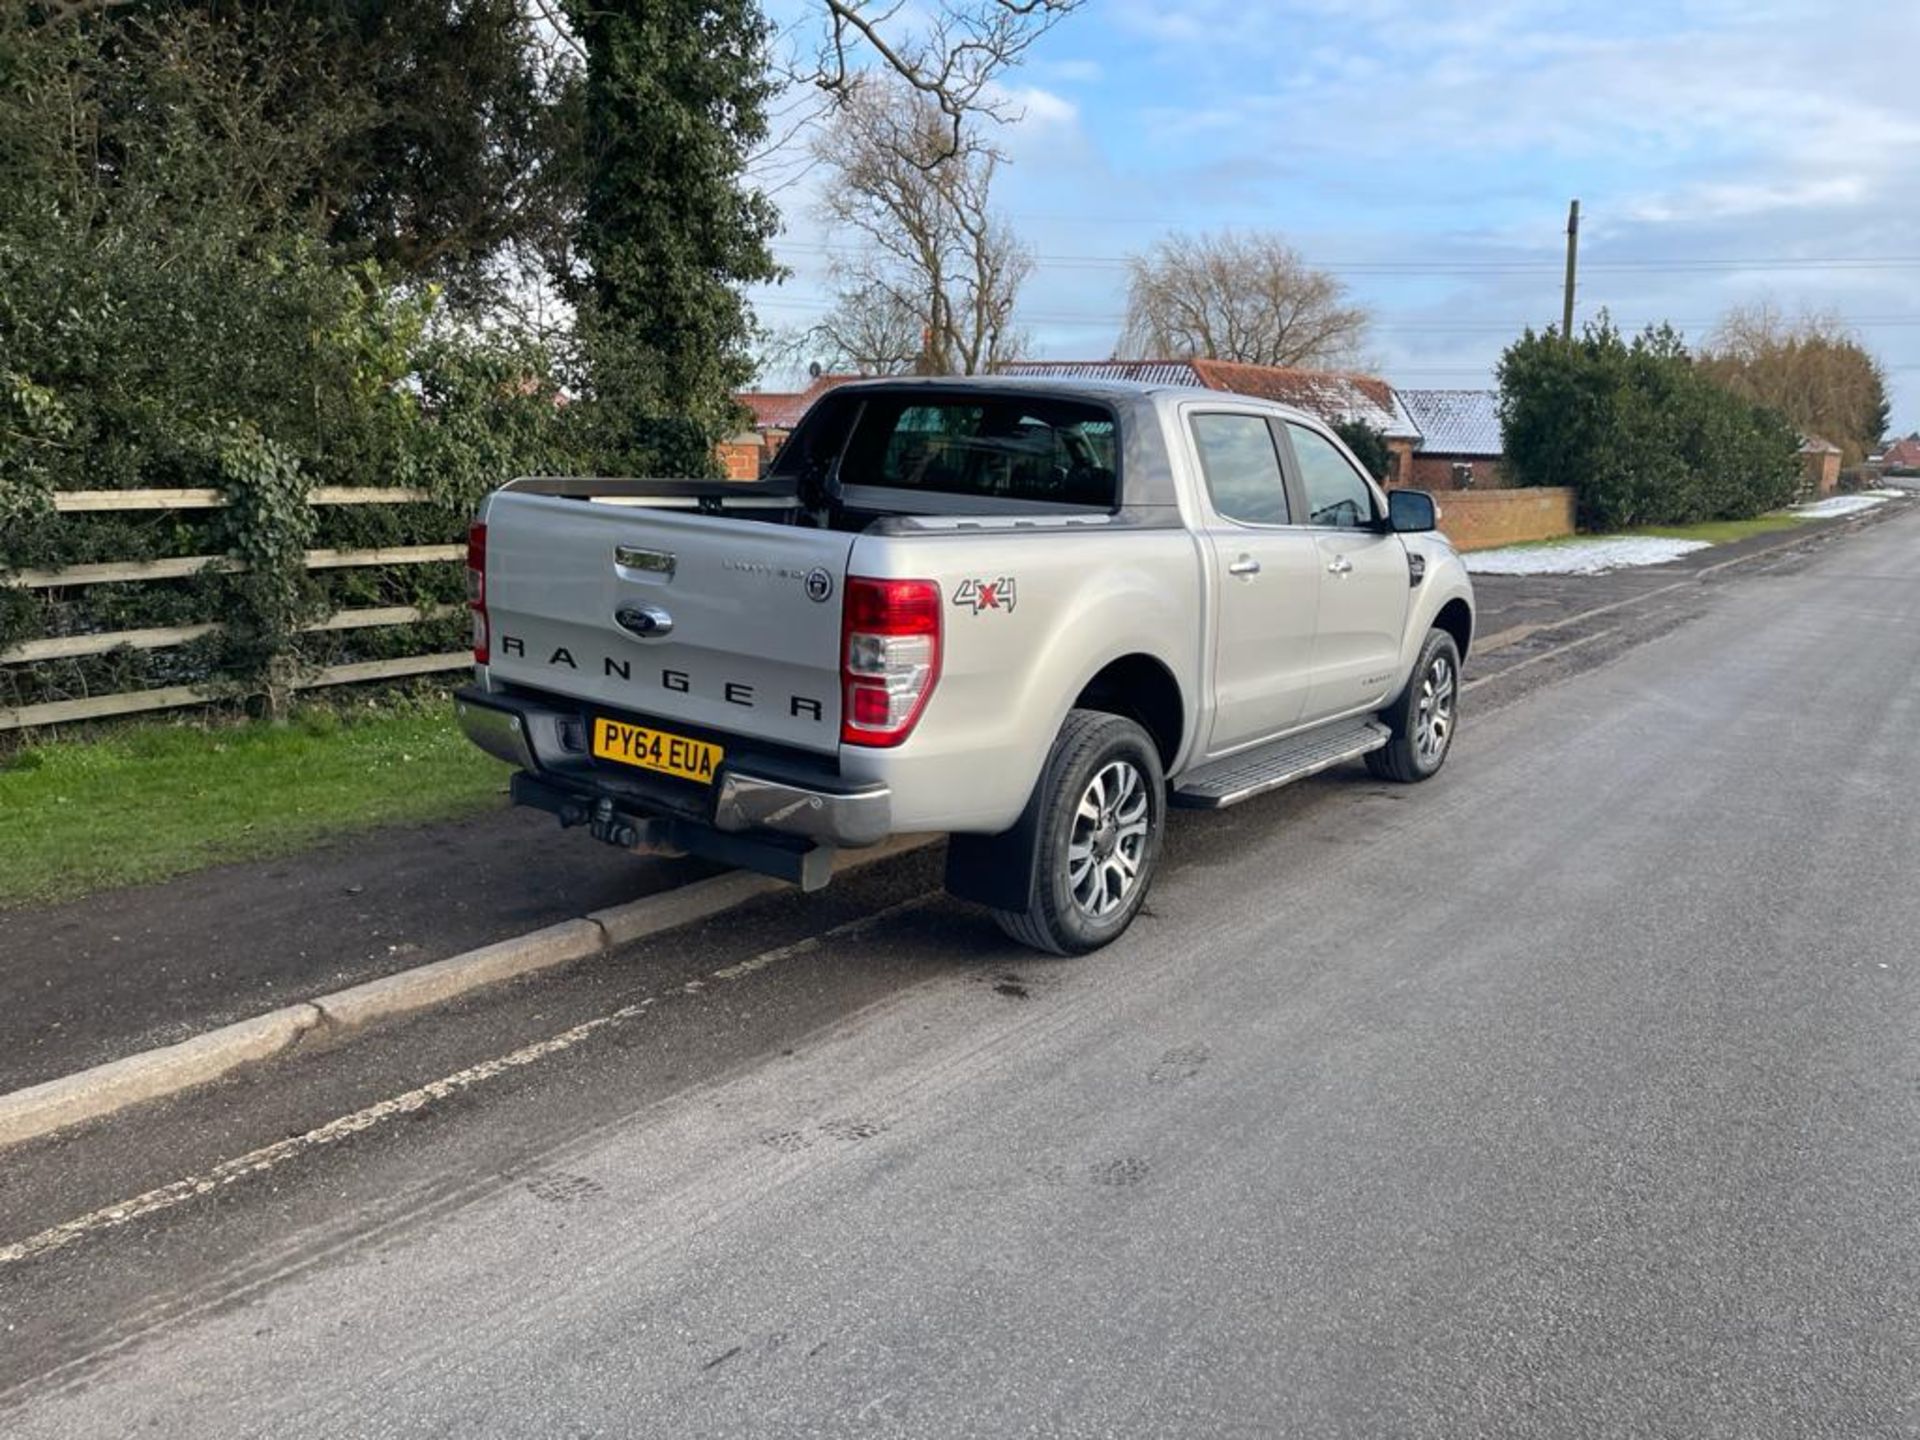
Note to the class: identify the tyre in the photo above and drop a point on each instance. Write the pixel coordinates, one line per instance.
(1101, 813)
(1425, 716)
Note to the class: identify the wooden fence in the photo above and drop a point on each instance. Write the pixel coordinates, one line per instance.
(130, 702)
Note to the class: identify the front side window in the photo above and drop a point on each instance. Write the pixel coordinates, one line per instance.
(1242, 468)
(1009, 448)
(1337, 494)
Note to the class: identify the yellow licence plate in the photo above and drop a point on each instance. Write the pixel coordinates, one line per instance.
(656, 750)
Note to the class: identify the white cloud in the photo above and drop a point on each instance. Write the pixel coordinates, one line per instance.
(1723, 200)
(1042, 109)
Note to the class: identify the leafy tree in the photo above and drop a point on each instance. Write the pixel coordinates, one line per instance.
(1639, 434)
(433, 136)
(1369, 446)
(1250, 298)
(168, 320)
(675, 97)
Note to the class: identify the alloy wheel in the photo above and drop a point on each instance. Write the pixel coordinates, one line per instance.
(1109, 838)
(1433, 716)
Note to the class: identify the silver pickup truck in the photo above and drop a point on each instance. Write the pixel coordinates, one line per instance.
(1028, 613)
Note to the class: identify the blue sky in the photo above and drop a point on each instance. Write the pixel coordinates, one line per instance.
(1722, 153)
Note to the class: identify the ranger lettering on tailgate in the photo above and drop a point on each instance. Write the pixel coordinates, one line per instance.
(678, 682)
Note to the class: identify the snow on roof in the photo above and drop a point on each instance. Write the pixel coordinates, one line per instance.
(1456, 422)
(1332, 395)
(1147, 372)
(1814, 445)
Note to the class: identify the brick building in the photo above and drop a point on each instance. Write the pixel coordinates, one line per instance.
(1460, 446)
(745, 456)
(1819, 465)
(1902, 454)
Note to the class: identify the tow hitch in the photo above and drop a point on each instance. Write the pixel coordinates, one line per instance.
(799, 862)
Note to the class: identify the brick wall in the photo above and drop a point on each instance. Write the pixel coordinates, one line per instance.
(1400, 463)
(1483, 519)
(1435, 472)
(1820, 471)
(741, 459)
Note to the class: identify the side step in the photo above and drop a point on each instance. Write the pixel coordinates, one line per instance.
(1254, 772)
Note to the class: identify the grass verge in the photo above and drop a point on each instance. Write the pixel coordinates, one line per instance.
(1720, 532)
(153, 799)
(1712, 532)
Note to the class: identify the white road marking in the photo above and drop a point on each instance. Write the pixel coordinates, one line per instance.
(1554, 653)
(255, 1162)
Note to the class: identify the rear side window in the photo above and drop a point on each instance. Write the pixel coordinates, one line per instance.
(996, 447)
(1336, 495)
(1242, 467)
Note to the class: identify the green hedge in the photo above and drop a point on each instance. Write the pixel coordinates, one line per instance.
(169, 319)
(1639, 434)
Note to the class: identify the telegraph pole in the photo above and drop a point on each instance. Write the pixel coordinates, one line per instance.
(1573, 249)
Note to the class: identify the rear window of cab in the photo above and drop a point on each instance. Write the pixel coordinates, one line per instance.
(1006, 447)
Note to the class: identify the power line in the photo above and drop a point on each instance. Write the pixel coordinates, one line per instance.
(1417, 268)
(1388, 326)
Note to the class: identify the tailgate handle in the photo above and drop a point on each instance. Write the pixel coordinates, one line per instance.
(644, 622)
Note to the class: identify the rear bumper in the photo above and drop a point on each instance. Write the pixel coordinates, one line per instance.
(744, 801)
(750, 795)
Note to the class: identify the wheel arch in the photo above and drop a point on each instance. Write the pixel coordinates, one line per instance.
(1456, 618)
(1142, 688)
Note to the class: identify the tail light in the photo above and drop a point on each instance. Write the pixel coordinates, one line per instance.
(889, 658)
(477, 589)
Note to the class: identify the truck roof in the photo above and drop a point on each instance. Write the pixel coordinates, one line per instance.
(1087, 387)
(1146, 473)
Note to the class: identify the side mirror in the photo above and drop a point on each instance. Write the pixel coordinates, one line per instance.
(1410, 512)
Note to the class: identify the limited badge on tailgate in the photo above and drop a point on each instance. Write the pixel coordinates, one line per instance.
(656, 750)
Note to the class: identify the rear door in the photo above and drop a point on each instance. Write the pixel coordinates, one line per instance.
(1363, 581)
(711, 621)
(1266, 580)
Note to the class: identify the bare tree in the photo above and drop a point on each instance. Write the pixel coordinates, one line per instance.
(929, 256)
(869, 331)
(1249, 298)
(948, 53)
(1812, 369)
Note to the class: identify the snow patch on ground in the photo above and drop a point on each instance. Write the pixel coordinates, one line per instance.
(1593, 556)
(1841, 505)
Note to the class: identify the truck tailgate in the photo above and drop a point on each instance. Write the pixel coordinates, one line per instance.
(710, 620)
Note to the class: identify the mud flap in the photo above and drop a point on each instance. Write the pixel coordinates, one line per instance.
(998, 871)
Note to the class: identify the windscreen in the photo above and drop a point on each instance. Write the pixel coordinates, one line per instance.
(1006, 447)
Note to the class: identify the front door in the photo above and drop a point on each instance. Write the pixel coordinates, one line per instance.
(1266, 578)
(1363, 582)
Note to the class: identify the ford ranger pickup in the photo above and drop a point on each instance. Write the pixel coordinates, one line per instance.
(1029, 613)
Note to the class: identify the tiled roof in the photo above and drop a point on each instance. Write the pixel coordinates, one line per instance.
(1456, 422)
(1147, 372)
(1903, 452)
(1329, 394)
(782, 409)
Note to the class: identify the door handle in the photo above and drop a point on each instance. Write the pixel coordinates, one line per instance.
(1340, 566)
(1245, 565)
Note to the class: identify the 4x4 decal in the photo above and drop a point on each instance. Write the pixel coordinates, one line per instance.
(978, 595)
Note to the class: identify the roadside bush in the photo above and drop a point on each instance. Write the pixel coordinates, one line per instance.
(169, 319)
(1639, 434)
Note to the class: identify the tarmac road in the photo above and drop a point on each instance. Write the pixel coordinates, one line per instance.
(1575, 1093)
